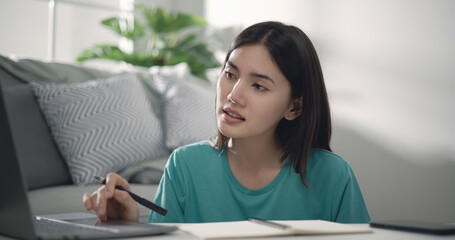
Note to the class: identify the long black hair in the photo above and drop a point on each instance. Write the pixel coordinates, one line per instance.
(293, 52)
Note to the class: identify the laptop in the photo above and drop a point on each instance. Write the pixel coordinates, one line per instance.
(16, 220)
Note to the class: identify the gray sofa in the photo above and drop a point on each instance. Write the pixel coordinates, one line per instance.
(50, 185)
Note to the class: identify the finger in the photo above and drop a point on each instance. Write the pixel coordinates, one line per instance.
(129, 205)
(123, 182)
(86, 198)
(112, 180)
(93, 200)
(124, 198)
(101, 204)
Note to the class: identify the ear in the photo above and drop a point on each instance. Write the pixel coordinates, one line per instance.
(295, 109)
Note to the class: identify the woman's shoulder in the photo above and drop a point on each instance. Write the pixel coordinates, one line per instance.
(202, 147)
(326, 154)
(195, 154)
(328, 161)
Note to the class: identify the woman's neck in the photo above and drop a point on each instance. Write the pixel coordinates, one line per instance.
(253, 162)
(259, 152)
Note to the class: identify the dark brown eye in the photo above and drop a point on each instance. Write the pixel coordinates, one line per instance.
(259, 87)
(229, 75)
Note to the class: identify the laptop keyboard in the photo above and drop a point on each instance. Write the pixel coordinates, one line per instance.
(46, 226)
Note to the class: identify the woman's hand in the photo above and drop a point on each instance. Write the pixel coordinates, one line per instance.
(108, 202)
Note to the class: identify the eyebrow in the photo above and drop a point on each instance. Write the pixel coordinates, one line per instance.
(253, 74)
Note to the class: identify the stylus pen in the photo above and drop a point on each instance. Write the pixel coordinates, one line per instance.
(268, 223)
(144, 202)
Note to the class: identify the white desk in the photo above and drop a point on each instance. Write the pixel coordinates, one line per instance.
(378, 234)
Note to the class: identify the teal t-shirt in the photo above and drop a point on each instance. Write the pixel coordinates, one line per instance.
(199, 186)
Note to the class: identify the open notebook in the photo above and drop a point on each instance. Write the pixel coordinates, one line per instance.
(245, 229)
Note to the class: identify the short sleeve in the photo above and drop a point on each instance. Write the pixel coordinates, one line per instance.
(349, 203)
(170, 194)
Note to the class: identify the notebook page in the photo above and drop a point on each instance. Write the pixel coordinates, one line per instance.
(247, 229)
(323, 227)
(229, 229)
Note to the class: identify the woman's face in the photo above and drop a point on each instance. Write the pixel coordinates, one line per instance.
(252, 94)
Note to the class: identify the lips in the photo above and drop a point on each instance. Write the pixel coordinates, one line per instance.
(234, 114)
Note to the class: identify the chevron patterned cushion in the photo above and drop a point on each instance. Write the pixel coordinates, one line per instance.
(189, 109)
(101, 126)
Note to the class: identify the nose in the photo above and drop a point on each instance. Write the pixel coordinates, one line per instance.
(236, 95)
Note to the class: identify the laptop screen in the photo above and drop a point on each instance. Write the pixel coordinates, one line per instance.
(15, 214)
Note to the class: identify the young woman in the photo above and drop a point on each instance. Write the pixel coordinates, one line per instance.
(271, 158)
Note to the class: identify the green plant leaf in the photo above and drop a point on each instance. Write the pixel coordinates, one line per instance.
(115, 53)
(164, 44)
(102, 51)
(180, 21)
(167, 22)
(125, 28)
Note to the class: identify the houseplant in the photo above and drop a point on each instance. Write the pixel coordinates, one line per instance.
(160, 38)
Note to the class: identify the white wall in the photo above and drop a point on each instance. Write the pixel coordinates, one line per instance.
(24, 23)
(389, 69)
